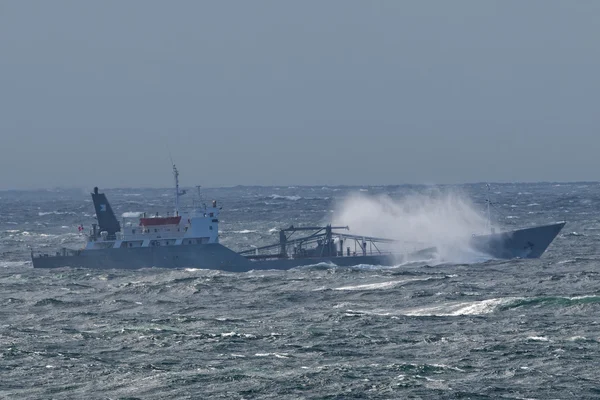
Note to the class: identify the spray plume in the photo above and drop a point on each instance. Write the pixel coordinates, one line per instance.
(445, 220)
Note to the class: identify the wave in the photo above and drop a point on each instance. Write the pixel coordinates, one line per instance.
(276, 355)
(381, 285)
(279, 197)
(41, 213)
(551, 301)
(498, 304)
(458, 309)
(11, 264)
(245, 231)
(573, 234)
(131, 214)
(238, 335)
(323, 265)
(538, 338)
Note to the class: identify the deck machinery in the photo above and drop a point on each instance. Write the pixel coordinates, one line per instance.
(322, 242)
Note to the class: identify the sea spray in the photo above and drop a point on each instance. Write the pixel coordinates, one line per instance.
(442, 219)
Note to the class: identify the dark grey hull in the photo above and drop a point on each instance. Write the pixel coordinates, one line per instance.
(523, 243)
(210, 256)
(204, 256)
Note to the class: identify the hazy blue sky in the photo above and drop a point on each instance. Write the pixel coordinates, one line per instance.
(303, 92)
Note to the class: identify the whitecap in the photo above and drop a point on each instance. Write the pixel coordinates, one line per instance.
(369, 286)
(444, 366)
(586, 296)
(277, 355)
(378, 285)
(8, 264)
(538, 338)
(359, 313)
(462, 308)
(131, 214)
(382, 285)
(245, 231)
(569, 261)
(41, 213)
(279, 197)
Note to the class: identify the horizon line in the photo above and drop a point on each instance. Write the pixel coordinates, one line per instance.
(300, 186)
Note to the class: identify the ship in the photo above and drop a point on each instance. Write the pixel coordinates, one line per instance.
(190, 239)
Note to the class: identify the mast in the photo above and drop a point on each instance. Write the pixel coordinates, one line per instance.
(178, 193)
(198, 201)
(176, 176)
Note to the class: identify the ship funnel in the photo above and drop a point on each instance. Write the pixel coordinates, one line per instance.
(107, 221)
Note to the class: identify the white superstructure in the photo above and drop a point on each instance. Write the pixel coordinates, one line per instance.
(199, 226)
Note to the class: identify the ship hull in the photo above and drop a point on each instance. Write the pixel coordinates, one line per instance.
(209, 256)
(521, 243)
(203, 256)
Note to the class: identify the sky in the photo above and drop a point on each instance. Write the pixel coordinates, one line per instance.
(311, 92)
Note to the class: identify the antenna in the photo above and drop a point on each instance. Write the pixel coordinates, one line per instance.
(198, 202)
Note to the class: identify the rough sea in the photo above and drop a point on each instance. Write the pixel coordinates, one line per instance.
(453, 328)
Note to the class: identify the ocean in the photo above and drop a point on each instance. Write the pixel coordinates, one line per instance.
(461, 326)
